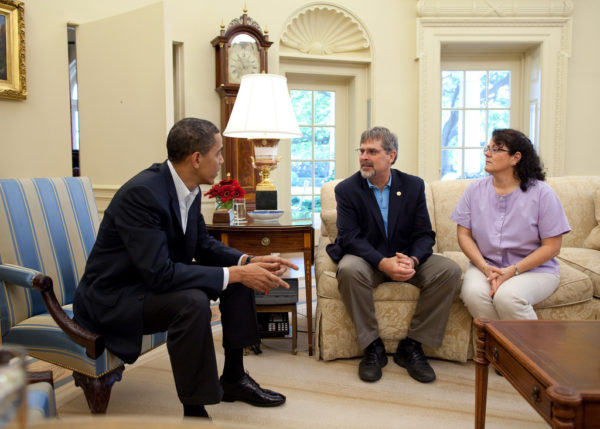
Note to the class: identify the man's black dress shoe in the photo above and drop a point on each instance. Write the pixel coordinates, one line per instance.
(370, 366)
(410, 355)
(247, 390)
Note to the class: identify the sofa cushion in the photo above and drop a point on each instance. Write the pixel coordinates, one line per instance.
(430, 209)
(576, 194)
(592, 241)
(387, 291)
(446, 194)
(585, 260)
(574, 287)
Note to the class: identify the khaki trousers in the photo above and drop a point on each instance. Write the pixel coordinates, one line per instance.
(438, 278)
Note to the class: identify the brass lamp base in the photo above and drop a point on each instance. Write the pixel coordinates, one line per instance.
(265, 184)
(265, 160)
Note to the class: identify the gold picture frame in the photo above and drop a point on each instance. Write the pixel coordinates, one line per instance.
(12, 50)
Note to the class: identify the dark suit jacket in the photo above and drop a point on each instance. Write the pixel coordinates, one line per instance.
(141, 247)
(360, 224)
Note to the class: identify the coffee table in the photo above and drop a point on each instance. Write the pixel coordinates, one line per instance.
(553, 364)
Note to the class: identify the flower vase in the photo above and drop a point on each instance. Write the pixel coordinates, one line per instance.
(223, 212)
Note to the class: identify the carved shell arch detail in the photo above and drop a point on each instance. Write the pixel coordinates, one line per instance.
(324, 30)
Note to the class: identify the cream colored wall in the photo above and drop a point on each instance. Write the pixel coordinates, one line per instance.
(122, 101)
(35, 136)
(583, 92)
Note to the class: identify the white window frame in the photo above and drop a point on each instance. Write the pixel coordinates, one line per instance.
(551, 36)
(509, 62)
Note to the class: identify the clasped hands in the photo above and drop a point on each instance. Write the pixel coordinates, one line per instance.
(262, 274)
(496, 276)
(398, 268)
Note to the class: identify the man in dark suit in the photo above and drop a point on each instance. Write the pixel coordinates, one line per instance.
(155, 268)
(384, 233)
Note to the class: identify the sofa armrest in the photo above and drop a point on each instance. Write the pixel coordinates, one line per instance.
(322, 260)
(32, 279)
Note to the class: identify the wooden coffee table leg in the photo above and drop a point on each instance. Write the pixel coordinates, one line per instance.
(481, 374)
(565, 402)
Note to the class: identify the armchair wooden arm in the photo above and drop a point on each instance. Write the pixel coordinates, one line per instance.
(93, 343)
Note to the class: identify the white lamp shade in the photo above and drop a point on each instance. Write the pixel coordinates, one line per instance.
(263, 109)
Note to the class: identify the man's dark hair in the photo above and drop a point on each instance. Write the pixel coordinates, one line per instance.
(529, 167)
(190, 135)
(389, 140)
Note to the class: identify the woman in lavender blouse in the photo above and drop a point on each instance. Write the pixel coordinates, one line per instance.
(510, 225)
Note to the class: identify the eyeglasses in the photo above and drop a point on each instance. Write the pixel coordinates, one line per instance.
(494, 150)
(370, 152)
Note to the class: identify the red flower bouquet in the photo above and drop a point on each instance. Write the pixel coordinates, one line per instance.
(224, 192)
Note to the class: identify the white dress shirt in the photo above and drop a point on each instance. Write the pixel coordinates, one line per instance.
(186, 198)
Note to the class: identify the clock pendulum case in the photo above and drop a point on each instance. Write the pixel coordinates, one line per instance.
(240, 49)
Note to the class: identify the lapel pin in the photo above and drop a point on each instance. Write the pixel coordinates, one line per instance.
(398, 193)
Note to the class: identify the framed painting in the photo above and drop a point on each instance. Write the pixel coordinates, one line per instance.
(12, 50)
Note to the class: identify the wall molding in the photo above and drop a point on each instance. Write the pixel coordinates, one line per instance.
(104, 195)
(495, 8)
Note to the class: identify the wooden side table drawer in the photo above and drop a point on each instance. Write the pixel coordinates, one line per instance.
(266, 242)
(530, 387)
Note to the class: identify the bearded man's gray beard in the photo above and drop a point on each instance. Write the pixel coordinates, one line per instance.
(367, 174)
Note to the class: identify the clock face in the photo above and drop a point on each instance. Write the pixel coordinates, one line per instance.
(244, 58)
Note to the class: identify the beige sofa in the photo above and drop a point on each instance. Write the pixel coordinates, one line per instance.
(577, 297)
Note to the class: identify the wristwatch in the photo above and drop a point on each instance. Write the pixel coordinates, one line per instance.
(248, 259)
(516, 270)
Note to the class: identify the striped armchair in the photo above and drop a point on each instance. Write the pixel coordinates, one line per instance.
(47, 230)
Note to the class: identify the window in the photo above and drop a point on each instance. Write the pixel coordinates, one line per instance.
(473, 104)
(313, 154)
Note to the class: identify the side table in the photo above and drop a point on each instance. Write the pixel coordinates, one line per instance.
(553, 364)
(264, 239)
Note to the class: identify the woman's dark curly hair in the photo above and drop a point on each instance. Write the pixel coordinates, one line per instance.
(529, 167)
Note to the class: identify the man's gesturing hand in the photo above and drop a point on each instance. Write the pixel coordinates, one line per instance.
(262, 274)
(280, 267)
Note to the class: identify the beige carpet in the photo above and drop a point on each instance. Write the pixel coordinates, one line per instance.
(319, 394)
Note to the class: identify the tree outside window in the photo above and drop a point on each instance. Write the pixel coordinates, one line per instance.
(474, 103)
(313, 154)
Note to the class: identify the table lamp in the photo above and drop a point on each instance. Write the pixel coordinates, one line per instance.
(263, 114)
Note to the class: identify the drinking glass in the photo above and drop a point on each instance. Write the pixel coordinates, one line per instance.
(239, 211)
(13, 402)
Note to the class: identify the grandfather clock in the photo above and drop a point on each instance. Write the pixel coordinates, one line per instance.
(240, 49)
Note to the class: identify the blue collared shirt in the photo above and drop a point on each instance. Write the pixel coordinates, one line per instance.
(383, 200)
